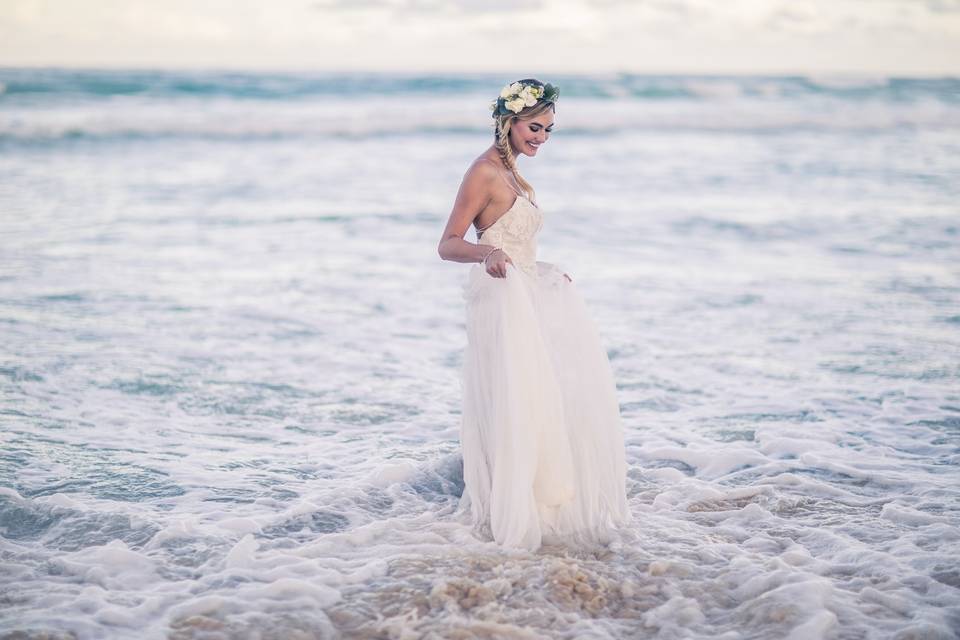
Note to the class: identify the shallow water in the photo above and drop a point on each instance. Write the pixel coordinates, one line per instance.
(229, 358)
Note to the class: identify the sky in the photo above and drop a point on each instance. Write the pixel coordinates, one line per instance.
(894, 37)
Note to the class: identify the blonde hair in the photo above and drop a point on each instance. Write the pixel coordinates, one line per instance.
(501, 135)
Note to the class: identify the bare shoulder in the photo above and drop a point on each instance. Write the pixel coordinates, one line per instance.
(480, 170)
(476, 188)
(474, 195)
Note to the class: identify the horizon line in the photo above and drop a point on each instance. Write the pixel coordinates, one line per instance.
(255, 70)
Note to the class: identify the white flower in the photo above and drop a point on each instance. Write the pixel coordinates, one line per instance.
(515, 105)
(516, 96)
(510, 90)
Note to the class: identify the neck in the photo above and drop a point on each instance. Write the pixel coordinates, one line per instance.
(496, 152)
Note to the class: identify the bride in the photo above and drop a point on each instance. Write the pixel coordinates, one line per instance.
(543, 448)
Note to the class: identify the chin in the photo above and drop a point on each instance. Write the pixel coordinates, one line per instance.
(526, 150)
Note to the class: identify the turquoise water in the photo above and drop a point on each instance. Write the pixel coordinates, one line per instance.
(229, 356)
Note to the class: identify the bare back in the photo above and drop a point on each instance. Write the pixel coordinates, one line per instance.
(504, 193)
(485, 194)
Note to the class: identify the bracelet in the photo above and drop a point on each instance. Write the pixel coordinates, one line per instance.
(489, 253)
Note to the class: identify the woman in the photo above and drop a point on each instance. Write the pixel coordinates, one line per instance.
(543, 449)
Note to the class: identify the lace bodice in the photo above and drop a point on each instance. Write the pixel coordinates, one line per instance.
(516, 233)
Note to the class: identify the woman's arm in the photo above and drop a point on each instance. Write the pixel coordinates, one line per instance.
(473, 196)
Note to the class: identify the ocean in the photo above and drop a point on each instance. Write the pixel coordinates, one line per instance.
(230, 356)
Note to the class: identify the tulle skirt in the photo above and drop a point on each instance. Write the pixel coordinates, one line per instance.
(543, 447)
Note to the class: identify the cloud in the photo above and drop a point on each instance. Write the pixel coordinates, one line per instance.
(341, 5)
(497, 5)
(430, 6)
(596, 36)
(944, 6)
(798, 18)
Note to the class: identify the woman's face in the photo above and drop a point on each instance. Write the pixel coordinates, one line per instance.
(527, 135)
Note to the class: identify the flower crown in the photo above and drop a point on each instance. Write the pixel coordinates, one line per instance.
(517, 95)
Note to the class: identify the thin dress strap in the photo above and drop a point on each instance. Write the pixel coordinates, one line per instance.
(481, 230)
(500, 173)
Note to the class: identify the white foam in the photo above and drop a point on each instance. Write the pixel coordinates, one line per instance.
(817, 488)
(849, 81)
(794, 447)
(111, 566)
(674, 614)
(709, 463)
(61, 500)
(239, 525)
(12, 494)
(818, 626)
(912, 517)
(242, 553)
(393, 472)
(176, 529)
(290, 588)
(797, 555)
(203, 605)
(209, 358)
(224, 119)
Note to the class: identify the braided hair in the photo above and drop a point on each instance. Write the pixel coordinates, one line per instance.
(501, 134)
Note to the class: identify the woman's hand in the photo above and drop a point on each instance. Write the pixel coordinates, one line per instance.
(496, 263)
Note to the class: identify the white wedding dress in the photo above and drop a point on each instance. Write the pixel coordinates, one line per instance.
(542, 440)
